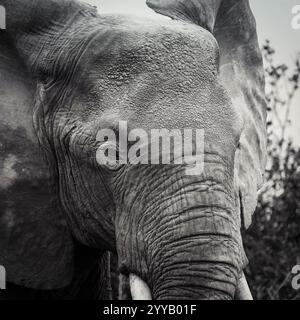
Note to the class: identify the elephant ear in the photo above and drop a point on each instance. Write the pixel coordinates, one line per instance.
(36, 247)
(241, 72)
(201, 12)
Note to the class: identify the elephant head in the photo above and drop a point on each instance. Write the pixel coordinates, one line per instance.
(68, 72)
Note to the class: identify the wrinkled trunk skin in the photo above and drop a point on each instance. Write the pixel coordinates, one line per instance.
(186, 244)
(203, 266)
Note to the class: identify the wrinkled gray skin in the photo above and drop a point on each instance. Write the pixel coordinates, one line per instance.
(66, 72)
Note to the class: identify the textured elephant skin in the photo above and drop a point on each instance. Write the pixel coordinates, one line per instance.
(234, 27)
(65, 73)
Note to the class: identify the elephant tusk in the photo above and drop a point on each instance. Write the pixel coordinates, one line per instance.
(243, 291)
(139, 289)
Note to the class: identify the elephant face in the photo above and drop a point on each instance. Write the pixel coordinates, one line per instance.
(170, 226)
(178, 232)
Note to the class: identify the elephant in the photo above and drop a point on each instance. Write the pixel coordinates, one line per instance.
(67, 71)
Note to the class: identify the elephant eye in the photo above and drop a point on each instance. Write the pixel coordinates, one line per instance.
(108, 156)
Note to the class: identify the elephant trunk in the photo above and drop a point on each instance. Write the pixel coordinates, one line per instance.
(204, 258)
(195, 255)
(193, 274)
(141, 291)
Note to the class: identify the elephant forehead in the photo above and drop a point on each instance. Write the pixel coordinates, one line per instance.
(127, 55)
(155, 76)
(134, 46)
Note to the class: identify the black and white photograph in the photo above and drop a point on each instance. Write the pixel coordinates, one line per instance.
(149, 150)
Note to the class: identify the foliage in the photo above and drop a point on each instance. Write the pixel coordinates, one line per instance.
(273, 242)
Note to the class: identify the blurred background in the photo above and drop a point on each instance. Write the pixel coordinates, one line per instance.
(273, 242)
